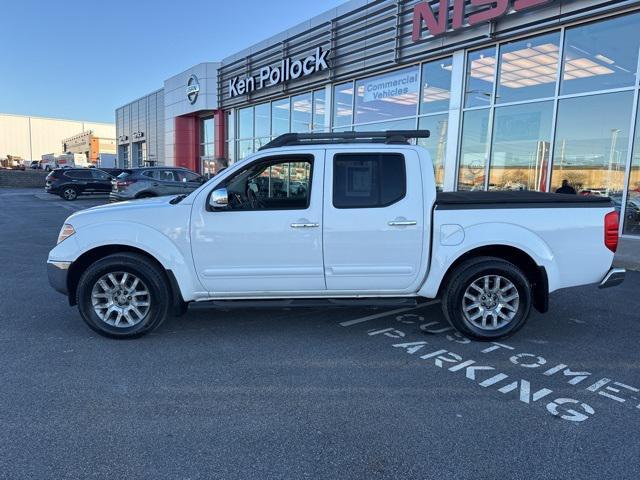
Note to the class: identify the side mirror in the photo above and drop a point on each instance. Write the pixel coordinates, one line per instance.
(219, 199)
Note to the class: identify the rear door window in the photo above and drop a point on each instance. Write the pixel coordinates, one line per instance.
(80, 174)
(368, 180)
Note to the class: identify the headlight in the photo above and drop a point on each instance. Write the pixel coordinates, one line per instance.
(66, 231)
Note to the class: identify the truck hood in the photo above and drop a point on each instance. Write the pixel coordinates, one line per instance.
(151, 211)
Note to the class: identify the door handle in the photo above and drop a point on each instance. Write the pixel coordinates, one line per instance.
(305, 225)
(403, 223)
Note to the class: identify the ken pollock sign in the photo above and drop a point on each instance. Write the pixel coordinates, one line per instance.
(481, 11)
(287, 70)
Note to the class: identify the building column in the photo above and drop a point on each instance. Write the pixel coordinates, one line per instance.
(187, 142)
(220, 137)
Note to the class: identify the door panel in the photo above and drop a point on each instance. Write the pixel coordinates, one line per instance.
(373, 249)
(270, 240)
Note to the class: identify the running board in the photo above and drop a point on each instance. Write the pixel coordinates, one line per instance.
(306, 303)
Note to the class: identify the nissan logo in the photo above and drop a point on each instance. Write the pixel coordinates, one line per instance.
(193, 89)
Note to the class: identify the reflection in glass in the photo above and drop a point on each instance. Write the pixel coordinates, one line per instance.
(245, 148)
(342, 105)
(528, 68)
(245, 123)
(474, 149)
(388, 96)
(280, 117)
(405, 124)
(521, 145)
(319, 109)
(436, 144)
(301, 113)
(601, 55)
(481, 69)
(592, 137)
(436, 86)
(261, 142)
(263, 120)
(632, 211)
(206, 130)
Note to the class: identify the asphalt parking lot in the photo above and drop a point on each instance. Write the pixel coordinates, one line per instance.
(323, 394)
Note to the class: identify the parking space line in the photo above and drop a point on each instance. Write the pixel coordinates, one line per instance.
(349, 323)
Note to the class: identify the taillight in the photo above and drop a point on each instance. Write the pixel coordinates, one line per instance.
(611, 226)
(124, 183)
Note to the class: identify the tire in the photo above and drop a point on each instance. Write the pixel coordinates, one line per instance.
(466, 288)
(69, 193)
(126, 322)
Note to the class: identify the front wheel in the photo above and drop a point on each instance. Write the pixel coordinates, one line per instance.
(487, 298)
(123, 296)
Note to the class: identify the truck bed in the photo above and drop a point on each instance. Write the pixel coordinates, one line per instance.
(516, 199)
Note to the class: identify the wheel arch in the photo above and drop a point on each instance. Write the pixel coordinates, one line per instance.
(91, 256)
(536, 274)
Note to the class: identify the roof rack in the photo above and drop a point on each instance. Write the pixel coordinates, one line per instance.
(390, 137)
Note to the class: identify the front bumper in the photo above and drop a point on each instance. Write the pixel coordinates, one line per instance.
(613, 278)
(58, 273)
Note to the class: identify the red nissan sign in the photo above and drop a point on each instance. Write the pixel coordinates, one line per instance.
(423, 15)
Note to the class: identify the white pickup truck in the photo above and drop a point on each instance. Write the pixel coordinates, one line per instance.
(333, 219)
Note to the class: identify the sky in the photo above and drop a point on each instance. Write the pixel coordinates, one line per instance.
(80, 60)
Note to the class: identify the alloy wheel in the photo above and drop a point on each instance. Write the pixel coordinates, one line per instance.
(121, 299)
(490, 302)
(70, 194)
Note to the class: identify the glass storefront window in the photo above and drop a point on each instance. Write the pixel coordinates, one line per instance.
(263, 120)
(436, 86)
(436, 144)
(245, 123)
(521, 145)
(206, 130)
(528, 68)
(280, 117)
(592, 137)
(601, 55)
(245, 148)
(261, 142)
(319, 109)
(474, 149)
(632, 210)
(388, 96)
(301, 113)
(481, 69)
(404, 124)
(343, 105)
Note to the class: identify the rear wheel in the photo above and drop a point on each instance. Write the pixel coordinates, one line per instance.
(487, 298)
(123, 296)
(69, 193)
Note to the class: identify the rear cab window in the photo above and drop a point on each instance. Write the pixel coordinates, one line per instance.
(368, 180)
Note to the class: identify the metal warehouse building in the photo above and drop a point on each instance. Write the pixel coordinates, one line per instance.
(31, 137)
(517, 94)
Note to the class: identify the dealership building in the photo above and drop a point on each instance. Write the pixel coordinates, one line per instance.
(517, 94)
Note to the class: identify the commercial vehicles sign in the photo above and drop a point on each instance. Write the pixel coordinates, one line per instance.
(481, 11)
(287, 70)
(389, 86)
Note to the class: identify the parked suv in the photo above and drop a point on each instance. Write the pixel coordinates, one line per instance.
(71, 182)
(154, 182)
